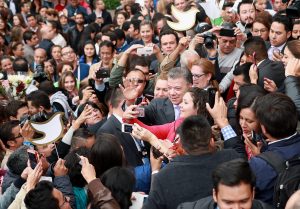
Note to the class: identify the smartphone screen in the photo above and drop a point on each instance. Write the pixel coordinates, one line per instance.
(127, 128)
(211, 96)
(33, 158)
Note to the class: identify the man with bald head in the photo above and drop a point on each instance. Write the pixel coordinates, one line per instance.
(40, 55)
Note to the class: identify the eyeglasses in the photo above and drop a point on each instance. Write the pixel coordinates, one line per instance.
(66, 200)
(135, 80)
(68, 53)
(197, 76)
(17, 137)
(260, 31)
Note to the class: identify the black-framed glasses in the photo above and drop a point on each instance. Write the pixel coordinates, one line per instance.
(16, 137)
(135, 80)
(197, 76)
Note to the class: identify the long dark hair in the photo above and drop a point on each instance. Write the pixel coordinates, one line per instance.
(120, 181)
(247, 97)
(200, 98)
(106, 153)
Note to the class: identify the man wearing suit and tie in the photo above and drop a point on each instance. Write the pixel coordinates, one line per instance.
(256, 52)
(166, 110)
(280, 32)
(134, 149)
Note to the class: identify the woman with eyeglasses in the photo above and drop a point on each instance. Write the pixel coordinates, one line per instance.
(203, 72)
(261, 25)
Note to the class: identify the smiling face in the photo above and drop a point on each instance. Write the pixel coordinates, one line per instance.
(48, 67)
(247, 13)
(146, 33)
(89, 50)
(69, 83)
(7, 66)
(16, 20)
(200, 79)
(187, 107)
(177, 88)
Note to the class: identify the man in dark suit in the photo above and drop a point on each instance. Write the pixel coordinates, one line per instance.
(166, 110)
(256, 52)
(134, 149)
(188, 177)
(280, 32)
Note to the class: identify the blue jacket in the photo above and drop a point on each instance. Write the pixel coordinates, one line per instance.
(265, 174)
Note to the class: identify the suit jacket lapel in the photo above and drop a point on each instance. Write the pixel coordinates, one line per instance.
(169, 110)
(126, 138)
(116, 123)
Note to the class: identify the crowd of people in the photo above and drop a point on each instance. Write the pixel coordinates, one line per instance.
(187, 119)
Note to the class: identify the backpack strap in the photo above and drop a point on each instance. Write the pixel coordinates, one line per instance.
(273, 159)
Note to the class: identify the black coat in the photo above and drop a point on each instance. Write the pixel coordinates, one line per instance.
(105, 15)
(186, 178)
(113, 126)
(208, 203)
(158, 112)
(271, 70)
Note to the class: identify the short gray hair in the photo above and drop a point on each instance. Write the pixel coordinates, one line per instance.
(181, 72)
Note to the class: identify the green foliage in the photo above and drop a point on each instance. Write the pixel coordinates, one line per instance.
(111, 4)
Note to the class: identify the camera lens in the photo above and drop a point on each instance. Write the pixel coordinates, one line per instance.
(209, 43)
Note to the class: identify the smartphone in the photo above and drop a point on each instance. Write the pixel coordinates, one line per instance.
(240, 26)
(145, 51)
(71, 116)
(156, 154)
(149, 97)
(33, 157)
(127, 128)
(211, 96)
(227, 32)
(80, 163)
(141, 111)
(92, 84)
(254, 58)
(257, 138)
(103, 73)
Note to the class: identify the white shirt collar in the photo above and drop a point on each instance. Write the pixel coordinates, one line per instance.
(283, 139)
(118, 117)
